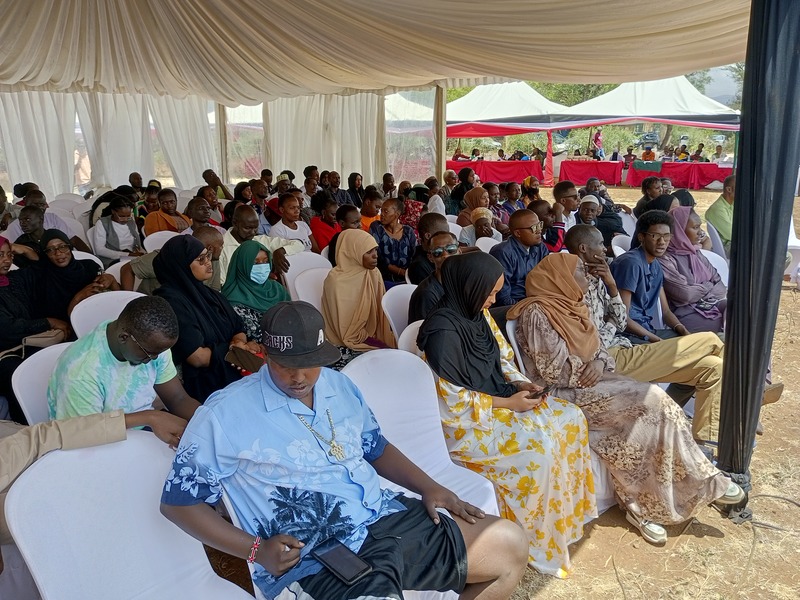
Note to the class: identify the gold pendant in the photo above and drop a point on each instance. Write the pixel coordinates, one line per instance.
(336, 451)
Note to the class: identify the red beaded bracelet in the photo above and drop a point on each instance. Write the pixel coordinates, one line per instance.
(254, 550)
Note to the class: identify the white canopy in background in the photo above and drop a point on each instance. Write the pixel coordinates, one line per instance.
(673, 98)
(250, 51)
(515, 101)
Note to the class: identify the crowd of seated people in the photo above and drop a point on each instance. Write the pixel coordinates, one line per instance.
(586, 327)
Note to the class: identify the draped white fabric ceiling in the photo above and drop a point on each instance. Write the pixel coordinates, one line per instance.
(248, 51)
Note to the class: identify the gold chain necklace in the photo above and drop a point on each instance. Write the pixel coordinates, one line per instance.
(336, 451)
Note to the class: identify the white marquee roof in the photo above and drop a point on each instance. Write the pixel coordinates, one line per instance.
(514, 101)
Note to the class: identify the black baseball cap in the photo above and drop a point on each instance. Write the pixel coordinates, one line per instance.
(294, 336)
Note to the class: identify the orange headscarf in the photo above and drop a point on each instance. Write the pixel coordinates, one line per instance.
(552, 287)
(473, 198)
(351, 296)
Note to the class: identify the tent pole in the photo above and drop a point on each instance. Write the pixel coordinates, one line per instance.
(440, 129)
(222, 136)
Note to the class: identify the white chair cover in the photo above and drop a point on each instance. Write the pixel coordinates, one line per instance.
(485, 243)
(325, 252)
(301, 262)
(628, 223)
(408, 339)
(75, 198)
(105, 520)
(116, 269)
(30, 380)
(395, 305)
(719, 263)
(455, 229)
(90, 238)
(156, 240)
(623, 242)
(76, 227)
(309, 285)
(78, 255)
(716, 242)
(451, 218)
(92, 311)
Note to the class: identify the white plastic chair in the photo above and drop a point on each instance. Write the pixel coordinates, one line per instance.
(30, 380)
(486, 243)
(90, 238)
(76, 227)
(183, 201)
(155, 241)
(65, 204)
(81, 214)
(408, 339)
(325, 252)
(716, 242)
(115, 271)
(78, 255)
(302, 262)
(719, 263)
(455, 229)
(628, 223)
(69, 196)
(64, 213)
(106, 521)
(451, 218)
(309, 285)
(395, 305)
(92, 311)
(620, 244)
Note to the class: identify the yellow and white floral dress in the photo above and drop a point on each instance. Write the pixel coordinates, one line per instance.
(538, 461)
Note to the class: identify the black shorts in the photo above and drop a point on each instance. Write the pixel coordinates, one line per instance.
(407, 551)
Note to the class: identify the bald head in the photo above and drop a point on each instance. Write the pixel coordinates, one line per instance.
(211, 238)
(245, 223)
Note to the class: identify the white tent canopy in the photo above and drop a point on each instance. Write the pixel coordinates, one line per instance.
(515, 101)
(674, 98)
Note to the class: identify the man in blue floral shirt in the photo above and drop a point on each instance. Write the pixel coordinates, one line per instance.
(299, 453)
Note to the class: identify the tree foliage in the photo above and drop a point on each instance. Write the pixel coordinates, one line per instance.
(571, 94)
(736, 71)
(700, 79)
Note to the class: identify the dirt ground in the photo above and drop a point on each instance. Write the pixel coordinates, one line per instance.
(709, 557)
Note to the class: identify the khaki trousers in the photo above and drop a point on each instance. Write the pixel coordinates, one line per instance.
(694, 360)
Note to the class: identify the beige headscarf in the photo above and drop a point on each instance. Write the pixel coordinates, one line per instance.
(473, 198)
(351, 296)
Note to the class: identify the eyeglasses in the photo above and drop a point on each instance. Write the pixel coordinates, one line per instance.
(149, 355)
(659, 237)
(574, 196)
(203, 258)
(533, 228)
(62, 249)
(450, 249)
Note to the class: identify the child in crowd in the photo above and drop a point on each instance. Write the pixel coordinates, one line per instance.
(291, 226)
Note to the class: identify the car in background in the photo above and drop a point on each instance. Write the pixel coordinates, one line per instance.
(718, 139)
(648, 138)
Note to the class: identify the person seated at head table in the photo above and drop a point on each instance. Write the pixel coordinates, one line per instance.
(693, 287)
(561, 347)
(122, 364)
(519, 254)
(421, 266)
(482, 227)
(199, 213)
(291, 226)
(459, 155)
(477, 197)
(264, 409)
(8, 210)
(347, 217)
(213, 181)
(324, 227)
(370, 208)
(115, 234)
(166, 218)
(651, 189)
(28, 249)
(697, 155)
(429, 292)
(396, 242)
(648, 154)
(244, 225)
(63, 280)
(718, 156)
(466, 181)
(51, 220)
(243, 192)
(513, 202)
(413, 209)
(552, 219)
(629, 157)
(18, 318)
(351, 299)
(208, 325)
(487, 406)
(250, 288)
(682, 155)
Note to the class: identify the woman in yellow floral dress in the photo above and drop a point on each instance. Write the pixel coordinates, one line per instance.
(660, 475)
(534, 451)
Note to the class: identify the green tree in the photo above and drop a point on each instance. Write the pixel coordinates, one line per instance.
(571, 94)
(457, 92)
(737, 72)
(700, 79)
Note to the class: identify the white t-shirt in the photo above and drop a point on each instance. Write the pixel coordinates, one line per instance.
(301, 234)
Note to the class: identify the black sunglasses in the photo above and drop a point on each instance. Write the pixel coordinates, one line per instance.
(450, 249)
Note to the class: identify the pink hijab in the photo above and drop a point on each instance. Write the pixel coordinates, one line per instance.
(681, 246)
(4, 278)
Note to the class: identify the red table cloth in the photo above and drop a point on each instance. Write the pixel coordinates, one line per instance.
(579, 171)
(693, 176)
(500, 171)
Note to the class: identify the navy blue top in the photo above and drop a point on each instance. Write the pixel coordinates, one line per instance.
(643, 281)
(517, 261)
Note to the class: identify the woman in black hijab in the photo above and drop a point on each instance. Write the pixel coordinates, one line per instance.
(355, 189)
(497, 423)
(207, 322)
(466, 181)
(63, 280)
